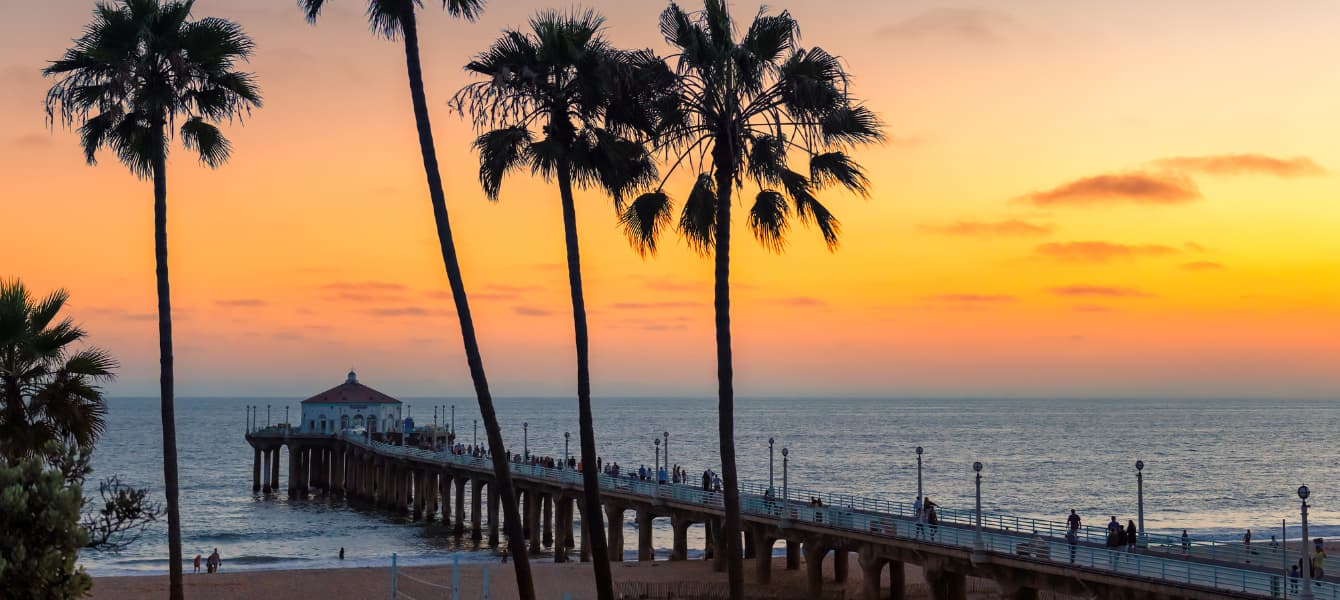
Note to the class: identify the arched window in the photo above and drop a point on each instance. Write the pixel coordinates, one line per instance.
(358, 420)
(344, 422)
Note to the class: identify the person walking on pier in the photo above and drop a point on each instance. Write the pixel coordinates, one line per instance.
(1131, 534)
(1073, 521)
(1186, 543)
(932, 518)
(1114, 533)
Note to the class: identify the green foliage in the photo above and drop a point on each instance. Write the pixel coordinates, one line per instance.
(49, 390)
(40, 535)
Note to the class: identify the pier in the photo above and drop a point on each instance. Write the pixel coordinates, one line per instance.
(1024, 556)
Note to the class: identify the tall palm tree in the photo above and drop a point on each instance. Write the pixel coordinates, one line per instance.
(394, 19)
(549, 93)
(142, 68)
(49, 389)
(742, 110)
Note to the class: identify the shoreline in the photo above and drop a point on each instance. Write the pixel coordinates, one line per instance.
(552, 580)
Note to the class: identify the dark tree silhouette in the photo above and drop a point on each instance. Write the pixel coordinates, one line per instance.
(738, 110)
(141, 68)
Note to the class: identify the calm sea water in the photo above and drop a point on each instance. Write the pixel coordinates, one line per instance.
(1215, 467)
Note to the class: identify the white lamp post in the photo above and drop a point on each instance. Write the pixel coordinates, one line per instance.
(1140, 499)
(525, 440)
(566, 435)
(656, 474)
(978, 544)
(770, 480)
(666, 435)
(1303, 493)
(786, 490)
(919, 494)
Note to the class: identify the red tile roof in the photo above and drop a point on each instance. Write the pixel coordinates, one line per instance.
(351, 392)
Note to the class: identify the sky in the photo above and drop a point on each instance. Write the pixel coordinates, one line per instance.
(1076, 199)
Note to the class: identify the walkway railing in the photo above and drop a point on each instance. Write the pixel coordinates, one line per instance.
(1033, 539)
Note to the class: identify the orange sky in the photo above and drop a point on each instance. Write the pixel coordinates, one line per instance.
(1079, 198)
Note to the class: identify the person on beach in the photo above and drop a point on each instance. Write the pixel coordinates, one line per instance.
(1131, 534)
(197, 563)
(212, 564)
(341, 552)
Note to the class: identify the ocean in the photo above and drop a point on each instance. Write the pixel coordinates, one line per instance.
(1214, 467)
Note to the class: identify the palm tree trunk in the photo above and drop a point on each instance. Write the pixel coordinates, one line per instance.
(726, 374)
(170, 485)
(512, 517)
(600, 560)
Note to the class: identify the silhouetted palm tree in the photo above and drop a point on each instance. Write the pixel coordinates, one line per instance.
(549, 94)
(141, 68)
(48, 388)
(741, 110)
(394, 19)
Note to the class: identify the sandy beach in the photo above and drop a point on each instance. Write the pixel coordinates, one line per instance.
(552, 581)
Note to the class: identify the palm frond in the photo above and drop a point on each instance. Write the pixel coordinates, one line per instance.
(852, 125)
(768, 220)
(837, 168)
(698, 220)
(464, 9)
(767, 159)
(205, 140)
(645, 220)
(501, 151)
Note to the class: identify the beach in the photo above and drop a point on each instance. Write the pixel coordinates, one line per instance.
(552, 581)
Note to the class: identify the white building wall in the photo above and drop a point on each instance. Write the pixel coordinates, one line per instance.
(327, 418)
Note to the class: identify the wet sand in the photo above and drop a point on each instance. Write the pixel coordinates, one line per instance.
(552, 581)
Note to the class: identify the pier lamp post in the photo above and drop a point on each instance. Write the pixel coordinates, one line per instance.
(525, 440)
(978, 545)
(786, 489)
(286, 421)
(453, 420)
(1306, 594)
(770, 481)
(666, 434)
(267, 415)
(566, 456)
(434, 416)
(1140, 500)
(919, 451)
(476, 444)
(657, 473)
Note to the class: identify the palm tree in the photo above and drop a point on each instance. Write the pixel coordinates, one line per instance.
(742, 110)
(141, 68)
(396, 19)
(48, 389)
(550, 93)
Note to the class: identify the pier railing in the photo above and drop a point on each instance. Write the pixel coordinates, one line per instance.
(1031, 539)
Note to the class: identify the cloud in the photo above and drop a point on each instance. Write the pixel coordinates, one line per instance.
(1244, 164)
(405, 311)
(654, 305)
(364, 286)
(986, 229)
(1093, 308)
(530, 311)
(121, 313)
(242, 303)
(973, 298)
(1149, 189)
(663, 327)
(971, 24)
(799, 301)
(1099, 291)
(1202, 265)
(32, 140)
(1099, 252)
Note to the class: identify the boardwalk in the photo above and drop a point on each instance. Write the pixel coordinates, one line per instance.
(1024, 556)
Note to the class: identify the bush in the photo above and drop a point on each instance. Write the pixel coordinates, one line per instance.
(40, 536)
